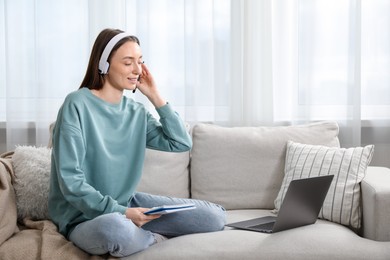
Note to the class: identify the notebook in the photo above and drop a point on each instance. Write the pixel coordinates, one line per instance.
(167, 209)
(301, 206)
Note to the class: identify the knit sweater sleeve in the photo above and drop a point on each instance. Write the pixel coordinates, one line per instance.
(168, 134)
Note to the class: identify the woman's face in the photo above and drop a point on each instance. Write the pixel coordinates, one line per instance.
(125, 66)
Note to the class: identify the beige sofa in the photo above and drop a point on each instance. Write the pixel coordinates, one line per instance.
(241, 168)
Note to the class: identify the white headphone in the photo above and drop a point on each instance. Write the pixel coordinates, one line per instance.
(103, 62)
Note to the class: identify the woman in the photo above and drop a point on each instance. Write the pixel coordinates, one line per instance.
(99, 143)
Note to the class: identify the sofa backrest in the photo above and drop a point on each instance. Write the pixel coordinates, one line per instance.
(166, 174)
(243, 167)
(238, 167)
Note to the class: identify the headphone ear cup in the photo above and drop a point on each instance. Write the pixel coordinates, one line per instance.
(106, 67)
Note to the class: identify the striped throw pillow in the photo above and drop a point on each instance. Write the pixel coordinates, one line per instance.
(348, 165)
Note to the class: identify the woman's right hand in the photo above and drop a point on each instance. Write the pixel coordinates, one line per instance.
(138, 217)
(147, 86)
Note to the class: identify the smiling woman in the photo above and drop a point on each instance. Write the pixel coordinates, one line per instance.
(99, 143)
(118, 68)
(105, 52)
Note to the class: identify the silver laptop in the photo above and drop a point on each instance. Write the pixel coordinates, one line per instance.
(301, 206)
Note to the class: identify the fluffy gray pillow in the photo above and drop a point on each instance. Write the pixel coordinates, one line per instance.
(32, 174)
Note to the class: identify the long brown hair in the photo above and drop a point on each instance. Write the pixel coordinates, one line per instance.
(92, 78)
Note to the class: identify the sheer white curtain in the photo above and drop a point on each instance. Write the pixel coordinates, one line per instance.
(300, 61)
(237, 62)
(44, 53)
(45, 47)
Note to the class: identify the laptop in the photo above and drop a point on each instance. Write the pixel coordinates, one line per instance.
(301, 206)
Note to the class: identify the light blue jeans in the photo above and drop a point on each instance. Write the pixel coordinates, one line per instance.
(115, 234)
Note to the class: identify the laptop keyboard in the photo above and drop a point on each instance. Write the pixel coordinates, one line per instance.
(264, 227)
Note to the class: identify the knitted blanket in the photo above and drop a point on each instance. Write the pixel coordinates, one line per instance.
(31, 239)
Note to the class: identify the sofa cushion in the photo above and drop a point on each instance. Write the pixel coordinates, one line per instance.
(323, 240)
(342, 202)
(32, 173)
(166, 174)
(243, 167)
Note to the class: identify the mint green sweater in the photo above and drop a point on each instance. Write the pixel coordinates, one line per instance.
(98, 154)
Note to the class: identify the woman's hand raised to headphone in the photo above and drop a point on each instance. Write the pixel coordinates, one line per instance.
(147, 86)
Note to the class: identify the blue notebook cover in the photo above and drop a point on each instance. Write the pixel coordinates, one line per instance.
(166, 209)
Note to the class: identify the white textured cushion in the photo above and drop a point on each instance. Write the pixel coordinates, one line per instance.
(166, 174)
(32, 174)
(243, 167)
(348, 165)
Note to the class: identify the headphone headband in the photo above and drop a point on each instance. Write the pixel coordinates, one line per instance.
(103, 62)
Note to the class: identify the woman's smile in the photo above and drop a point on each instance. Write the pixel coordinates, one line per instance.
(133, 80)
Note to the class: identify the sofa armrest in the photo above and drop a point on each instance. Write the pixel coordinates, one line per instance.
(8, 212)
(376, 203)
